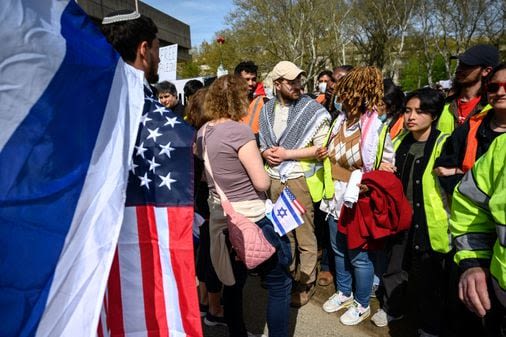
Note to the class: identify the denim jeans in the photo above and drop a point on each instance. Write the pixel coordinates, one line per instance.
(351, 263)
(331, 221)
(277, 280)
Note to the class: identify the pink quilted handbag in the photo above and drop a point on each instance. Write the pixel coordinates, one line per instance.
(246, 237)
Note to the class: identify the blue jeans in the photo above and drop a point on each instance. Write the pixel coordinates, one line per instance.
(331, 221)
(349, 263)
(277, 280)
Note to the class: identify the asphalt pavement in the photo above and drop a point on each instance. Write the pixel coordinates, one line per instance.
(309, 320)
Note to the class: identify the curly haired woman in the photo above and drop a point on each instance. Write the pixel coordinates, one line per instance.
(357, 142)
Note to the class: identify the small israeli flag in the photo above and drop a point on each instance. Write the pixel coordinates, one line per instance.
(286, 213)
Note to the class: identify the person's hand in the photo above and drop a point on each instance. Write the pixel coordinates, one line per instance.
(321, 153)
(473, 290)
(384, 166)
(441, 171)
(281, 153)
(272, 155)
(362, 188)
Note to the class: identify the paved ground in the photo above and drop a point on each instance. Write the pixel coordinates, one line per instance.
(308, 321)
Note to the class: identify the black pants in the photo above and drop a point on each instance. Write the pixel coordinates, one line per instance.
(429, 279)
(392, 293)
(205, 269)
(427, 296)
(232, 300)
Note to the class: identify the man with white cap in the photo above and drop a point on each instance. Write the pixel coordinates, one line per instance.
(292, 127)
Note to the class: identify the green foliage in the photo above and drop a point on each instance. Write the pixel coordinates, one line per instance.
(439, 69)
(413, 74)
(188, 69)
(411, 40)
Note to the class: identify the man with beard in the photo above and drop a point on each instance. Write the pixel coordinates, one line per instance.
(475, 64)
(248, 71)
(151, 286)
(292, 128)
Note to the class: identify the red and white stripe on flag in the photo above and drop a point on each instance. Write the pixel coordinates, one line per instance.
(152, 286)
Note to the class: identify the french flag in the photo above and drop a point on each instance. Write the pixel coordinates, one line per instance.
(69, 114)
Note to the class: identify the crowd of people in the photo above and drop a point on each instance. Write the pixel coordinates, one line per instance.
(410, 151)
(404, 193)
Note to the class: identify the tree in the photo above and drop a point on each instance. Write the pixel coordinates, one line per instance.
(459, 23)
(284, 30)
(340, 28)
(381, 28)
(188, 69)
(402, 37)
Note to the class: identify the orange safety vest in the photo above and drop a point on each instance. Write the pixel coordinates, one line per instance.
(472, 141)
(397, 127)
(253, 116)
(320, 98)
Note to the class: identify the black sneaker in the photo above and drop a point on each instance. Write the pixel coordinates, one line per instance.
(211, 320)
(203, 309)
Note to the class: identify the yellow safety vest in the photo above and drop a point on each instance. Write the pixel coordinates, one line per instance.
(327, 182)
(447, 121)
(478, 217)
(434, 198)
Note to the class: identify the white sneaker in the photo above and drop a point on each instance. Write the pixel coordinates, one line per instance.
(250, 334)
(355, 314)
(337, 302)
(381, 318)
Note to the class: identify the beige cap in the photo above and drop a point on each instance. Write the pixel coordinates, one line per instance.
(286, 70)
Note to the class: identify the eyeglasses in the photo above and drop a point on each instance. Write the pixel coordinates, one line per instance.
(292, 83)
(494, 87)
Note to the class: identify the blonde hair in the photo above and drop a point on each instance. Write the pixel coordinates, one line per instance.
(194, 110)
(360, 90)
(227, 97)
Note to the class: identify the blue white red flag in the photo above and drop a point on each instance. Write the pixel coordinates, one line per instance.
(286, 213)
(152, 287)
(69, 115)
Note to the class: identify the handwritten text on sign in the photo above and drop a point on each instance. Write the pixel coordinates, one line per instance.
(168, 63)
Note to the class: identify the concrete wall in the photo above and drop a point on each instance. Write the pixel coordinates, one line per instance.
(170, 30)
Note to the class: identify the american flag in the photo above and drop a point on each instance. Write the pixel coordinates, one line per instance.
(286, 213)
(152, 285)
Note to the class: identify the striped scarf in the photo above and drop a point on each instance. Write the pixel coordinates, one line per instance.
(305, 117)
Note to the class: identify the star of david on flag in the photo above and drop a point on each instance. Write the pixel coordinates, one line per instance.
(286, 214)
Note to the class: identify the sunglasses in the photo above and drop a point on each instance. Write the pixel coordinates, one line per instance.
(494, 87)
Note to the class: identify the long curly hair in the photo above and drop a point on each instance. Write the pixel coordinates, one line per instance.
(360, 90)
(194, 109)
(227, 97)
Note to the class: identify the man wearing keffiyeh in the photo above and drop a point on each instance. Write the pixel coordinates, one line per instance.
(292, 127)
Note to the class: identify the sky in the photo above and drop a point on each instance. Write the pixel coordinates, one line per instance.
(205, 17)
